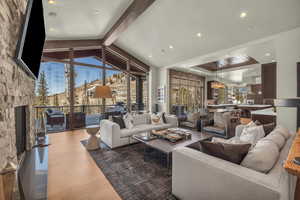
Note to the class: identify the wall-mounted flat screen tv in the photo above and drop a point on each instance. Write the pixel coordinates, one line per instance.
(31, 42)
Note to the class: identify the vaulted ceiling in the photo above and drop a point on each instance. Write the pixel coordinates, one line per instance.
(173, 31)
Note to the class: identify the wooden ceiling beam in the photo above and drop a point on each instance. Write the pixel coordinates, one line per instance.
(136, 8)
(66, 45)
(47, 59)
(82, 48)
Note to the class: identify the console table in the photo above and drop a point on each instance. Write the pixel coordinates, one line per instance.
(290, 166)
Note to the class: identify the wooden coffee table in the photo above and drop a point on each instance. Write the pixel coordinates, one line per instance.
(167, 147)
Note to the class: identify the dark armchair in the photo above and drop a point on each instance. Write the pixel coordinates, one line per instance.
(54, 117)
(221, 125)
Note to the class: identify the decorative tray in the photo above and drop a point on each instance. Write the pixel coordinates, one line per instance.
(172, 134)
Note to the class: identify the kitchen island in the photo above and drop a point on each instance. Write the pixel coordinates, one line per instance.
(245, 108)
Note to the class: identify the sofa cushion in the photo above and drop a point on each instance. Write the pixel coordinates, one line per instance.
(277, 138)
(262, 157)
(219, 120)
(230, 152)
(141, 119)
(119, 120)
(143, 128)
(214, 129)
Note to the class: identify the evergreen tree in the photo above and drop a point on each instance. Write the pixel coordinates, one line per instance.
(42, 90)
(85, 99)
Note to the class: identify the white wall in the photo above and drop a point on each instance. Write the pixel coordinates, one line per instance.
(163, 81)
(287, 46)
(153, 84)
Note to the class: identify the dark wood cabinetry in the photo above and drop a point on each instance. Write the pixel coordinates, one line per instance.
(209, 90)
(256, 94)
(268, 79)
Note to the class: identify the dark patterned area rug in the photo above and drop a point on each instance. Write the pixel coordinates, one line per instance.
(131, 176)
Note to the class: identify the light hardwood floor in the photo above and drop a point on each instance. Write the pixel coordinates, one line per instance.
(73, 174)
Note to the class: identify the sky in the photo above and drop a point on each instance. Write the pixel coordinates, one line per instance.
(55, 74)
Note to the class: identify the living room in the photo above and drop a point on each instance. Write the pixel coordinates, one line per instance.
(129, 99)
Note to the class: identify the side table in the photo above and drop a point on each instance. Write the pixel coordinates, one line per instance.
(93, 142)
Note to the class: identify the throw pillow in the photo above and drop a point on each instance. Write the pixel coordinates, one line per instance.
(262, 157)
(252, 134)
(164, 118)
(268, 128)
(156, 119)
(284, 131)
(250, 124)
(277, 138)
(234, 153)
(233, 140)
(128, 120)
(119, 121)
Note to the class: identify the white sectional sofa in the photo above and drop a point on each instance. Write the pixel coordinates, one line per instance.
(196, 175)
(113, 136)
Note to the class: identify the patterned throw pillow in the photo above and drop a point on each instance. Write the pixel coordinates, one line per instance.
(119, 120)
(128, 120)
(156, 119)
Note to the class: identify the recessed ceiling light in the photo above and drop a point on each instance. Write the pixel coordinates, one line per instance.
(267, 54)
(51, 29)
(96, 12)
(243, 15)
(171, 47)
(51, 1)
(150, 56)
(199, 34)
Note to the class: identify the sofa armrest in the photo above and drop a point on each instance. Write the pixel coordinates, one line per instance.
(196, 175)
(110, 133)
(172, 119)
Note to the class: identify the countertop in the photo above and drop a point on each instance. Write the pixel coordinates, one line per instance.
(268, 111)
(240, 105)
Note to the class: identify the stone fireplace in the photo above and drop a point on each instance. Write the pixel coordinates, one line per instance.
(16, 87)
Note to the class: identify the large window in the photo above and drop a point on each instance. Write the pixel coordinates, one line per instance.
(186, 90)
(117, 80)
(51, 86)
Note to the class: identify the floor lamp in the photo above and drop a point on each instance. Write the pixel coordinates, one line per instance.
(102, 92)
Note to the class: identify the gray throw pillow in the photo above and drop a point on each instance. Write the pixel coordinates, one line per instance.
(234, 153)
(262, 157)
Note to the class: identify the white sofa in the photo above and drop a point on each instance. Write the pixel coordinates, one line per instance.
(196, 175)
(113, 136)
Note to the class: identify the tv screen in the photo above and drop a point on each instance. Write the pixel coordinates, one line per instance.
(31, 43)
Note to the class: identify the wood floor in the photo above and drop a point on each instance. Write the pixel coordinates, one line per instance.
(73, 174)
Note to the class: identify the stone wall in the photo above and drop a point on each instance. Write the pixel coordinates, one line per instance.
(16, 87)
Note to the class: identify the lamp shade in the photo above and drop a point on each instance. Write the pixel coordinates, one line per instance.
(102, 92)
